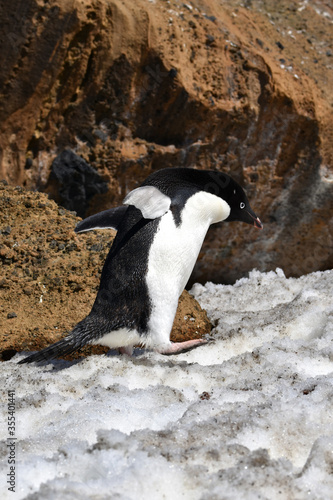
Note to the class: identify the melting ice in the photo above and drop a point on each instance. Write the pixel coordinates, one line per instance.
(247, 416)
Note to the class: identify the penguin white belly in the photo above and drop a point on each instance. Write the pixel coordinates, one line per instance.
(172, 257)
(119, 338)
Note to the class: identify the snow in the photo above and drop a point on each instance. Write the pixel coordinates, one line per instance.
(247, 416)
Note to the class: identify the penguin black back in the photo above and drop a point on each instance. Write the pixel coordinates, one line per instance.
(123, 294)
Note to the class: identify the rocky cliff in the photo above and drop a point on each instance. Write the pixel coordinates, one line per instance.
(118, 89)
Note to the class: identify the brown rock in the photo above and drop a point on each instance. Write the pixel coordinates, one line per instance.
(47, 288)
(191, 320)
(132, 91)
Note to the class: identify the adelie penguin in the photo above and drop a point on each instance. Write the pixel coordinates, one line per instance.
(160, 230)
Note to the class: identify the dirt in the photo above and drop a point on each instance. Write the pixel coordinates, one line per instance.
(50, 275)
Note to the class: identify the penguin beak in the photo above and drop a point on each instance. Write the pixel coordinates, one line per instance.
(256, 221)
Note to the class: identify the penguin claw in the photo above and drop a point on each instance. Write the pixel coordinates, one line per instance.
(178, 347)
(210, 338)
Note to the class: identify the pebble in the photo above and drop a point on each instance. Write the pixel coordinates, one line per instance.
(11, 315)
(210, 18)
(210, 39)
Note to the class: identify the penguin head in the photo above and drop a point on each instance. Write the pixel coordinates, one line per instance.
(172, 187)
(225, 187)
(240, 209)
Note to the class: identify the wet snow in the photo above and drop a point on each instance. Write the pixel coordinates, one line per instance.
(247, 416)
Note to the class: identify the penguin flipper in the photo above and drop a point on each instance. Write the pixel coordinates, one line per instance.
(149, 200)
(108, 219)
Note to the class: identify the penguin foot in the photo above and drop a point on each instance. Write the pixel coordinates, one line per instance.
(128, 350)
(178, 347)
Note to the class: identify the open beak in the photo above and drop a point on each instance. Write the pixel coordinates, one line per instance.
(256, 221)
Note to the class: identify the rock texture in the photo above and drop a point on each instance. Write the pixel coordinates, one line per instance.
(73, 182)
(49, 276)
(132, 87)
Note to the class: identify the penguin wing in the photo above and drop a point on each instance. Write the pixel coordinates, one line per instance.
(108, 219)
(149, 200)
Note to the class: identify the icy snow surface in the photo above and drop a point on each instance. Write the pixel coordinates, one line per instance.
(247, 416)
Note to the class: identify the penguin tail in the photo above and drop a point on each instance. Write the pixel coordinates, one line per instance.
(81, 335)
(60, 348)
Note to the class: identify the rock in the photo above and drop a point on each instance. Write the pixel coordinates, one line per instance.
(11, 315)
(54, 280)
(7, 354)
(73, 182)
(210, 39)
(129, 91)
(191, 320)
(7, 230)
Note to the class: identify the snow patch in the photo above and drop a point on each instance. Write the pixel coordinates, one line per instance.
(248, 415)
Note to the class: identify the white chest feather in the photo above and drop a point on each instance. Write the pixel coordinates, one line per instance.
(172, 257)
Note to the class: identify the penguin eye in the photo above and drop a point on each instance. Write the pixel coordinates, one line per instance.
(242, 204)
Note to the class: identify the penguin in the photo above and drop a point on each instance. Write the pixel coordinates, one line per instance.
(160, 230)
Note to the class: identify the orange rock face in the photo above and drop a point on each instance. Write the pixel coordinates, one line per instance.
(132, 87)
